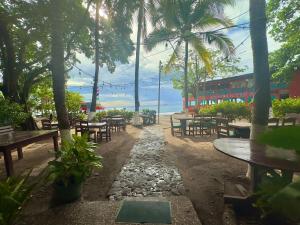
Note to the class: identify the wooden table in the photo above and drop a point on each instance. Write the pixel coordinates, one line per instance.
(183, 121)
(241, 129)
(19, 139)
(259, 155)
(97, 125)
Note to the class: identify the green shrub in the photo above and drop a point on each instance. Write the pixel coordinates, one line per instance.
(231, 110)
(75, 161)
(100, 115)
(282, 137)
(282, 107)
(11, 113)
(207, 111)
(14, 192)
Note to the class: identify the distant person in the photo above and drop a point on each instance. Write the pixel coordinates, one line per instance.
(51, 117)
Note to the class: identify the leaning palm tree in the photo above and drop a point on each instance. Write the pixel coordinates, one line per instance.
(187, 22)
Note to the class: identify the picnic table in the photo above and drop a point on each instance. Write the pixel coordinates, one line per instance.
(18, 139)
(241, 129)
(258, 155)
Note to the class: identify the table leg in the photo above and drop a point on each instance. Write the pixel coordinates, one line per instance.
(256, 174)
(20, 153)
(55, 143)
(8, 163)
(183, 127)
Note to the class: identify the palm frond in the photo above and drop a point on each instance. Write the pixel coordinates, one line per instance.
(202, 52)
(159, 36)
(167, 68)
(210, 20)
(221, 41)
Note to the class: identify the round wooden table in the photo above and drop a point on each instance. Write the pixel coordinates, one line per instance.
(259, 155)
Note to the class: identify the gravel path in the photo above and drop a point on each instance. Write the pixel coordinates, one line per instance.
(146, 174)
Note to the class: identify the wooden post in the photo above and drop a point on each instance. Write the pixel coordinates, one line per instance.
(159, 78)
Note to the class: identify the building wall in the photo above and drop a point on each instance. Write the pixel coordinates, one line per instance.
(294, 88)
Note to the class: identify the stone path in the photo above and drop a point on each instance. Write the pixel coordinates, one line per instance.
(146, 174)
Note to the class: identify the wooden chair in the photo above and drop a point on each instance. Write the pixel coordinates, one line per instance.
(84, 129)
(223, 129)
(175, 128)
(104, 132)
(195, 126)
(206, 126)
(7, 130)
(291, 121)
(273, 122)
(47, 125)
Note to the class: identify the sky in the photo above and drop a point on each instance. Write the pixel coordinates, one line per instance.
(121, 93)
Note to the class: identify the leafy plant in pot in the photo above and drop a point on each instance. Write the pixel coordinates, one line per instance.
(74, 164)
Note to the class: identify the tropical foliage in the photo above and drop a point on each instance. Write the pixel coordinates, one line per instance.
(14, 192)
(185, 23)
(278, 198)
(278, 138)
(11, 113)
(30, 28)
(197, 74)
(284, 21)
(282, 107)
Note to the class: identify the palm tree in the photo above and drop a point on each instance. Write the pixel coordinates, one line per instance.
(58, 67)
(262, 99)
(97, 60)
(186, 22)
(143, 8)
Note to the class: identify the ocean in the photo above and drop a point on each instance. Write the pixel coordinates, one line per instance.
(114, 98)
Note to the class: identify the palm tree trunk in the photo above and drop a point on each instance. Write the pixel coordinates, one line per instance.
(186, 58)
(58, 69)
(262, 99)
(97, 56)
(137, 59)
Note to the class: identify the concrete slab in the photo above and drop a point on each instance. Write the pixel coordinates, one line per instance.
(104, 213)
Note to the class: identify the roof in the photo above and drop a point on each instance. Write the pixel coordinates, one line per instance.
(228, 79)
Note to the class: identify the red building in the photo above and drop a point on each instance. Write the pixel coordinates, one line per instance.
(241, 89)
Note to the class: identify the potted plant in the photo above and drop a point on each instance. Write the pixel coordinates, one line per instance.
(74, 164)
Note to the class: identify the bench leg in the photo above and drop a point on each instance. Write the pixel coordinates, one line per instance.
(55, 143)
(8, 163)
(20, 153)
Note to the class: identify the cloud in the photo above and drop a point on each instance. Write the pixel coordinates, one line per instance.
(148, 72)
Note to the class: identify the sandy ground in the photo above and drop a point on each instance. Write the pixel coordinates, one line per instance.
(203, 170)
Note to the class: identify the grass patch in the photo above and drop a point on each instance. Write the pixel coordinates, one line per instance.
(282, 137)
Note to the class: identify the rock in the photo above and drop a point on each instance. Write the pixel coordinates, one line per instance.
(146, 174)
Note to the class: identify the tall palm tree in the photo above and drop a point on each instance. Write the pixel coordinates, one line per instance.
(185, 22)
(262, 99)
(58, 67)
(97, 59)
(143, 8)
